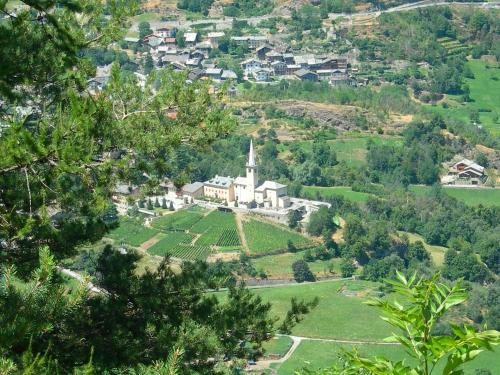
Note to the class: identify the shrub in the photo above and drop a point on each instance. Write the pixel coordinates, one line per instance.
(301, 272)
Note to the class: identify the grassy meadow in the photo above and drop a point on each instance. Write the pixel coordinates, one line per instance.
(318, 354)
(351, 150)
(280, 265)
(470, 196)
(436, 252)
(483, 86)
(340, 314)
(346, 192)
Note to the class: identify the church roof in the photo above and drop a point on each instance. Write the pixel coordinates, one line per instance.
(270, 185)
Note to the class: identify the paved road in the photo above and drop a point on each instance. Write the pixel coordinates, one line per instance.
(226, 22)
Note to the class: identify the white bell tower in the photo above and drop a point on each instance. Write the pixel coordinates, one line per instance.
(252, 175)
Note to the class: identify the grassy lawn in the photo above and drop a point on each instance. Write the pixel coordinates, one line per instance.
(265, 238)
(337, 315)
(131, 232)
(437, 252)
(486, 82)
(280, 265)
(147, 17)
(346, 192)
(278, 346)
(470, 196)
(314, 355)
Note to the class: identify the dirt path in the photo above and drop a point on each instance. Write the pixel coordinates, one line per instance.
(266, 363)
(152, 241)
(243, 239)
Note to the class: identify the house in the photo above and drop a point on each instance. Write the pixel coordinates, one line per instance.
(130, 39)
(251, 65)
(262, 74)
(197, 54)
(306, 75)
(194, 190)
(195, 74)
(279, 68)
(341, 78)
(193, 63)
(170, 41)
(465, 172)
(213, 73)
(97, 84)
(292, 68)
(153, 40)
(262, 51)
(165, 32)
(191, 38)
(204, 47)
(228, 74)
(232, 91)
(272, 56)
(219, 187)
(289, 58)
(253, 41)
(214, 37)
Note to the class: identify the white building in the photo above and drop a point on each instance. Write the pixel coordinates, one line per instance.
(249, 189)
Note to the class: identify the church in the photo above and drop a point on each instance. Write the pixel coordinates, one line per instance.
(247, 191)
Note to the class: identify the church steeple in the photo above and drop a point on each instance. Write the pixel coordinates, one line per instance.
(251, 157)
(252, 175)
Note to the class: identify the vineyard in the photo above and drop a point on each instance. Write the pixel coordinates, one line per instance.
(132, 232)
(217, 228)
(188, 252)
(265, 238)
(169, 242)
(193, 234)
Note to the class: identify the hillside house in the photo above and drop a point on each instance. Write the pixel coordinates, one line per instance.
(214, 73)
(465, 172)
(228, 74)
(251, 64)
(262, 51)
(306, 75)
(194, 190)
(272, 56)
(166, 32)
(262, 75)
(191, 38)
(214, 37)
(279, 68)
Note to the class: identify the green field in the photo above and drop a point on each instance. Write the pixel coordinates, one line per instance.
(486, 82)
(132, 232)
(181, 220)
(280, 265)
(350, 150)
(470, 196)
(265, 238)
(337, 316)
(317, 354)
(437, 252)
(278, 346)
(346, 192)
